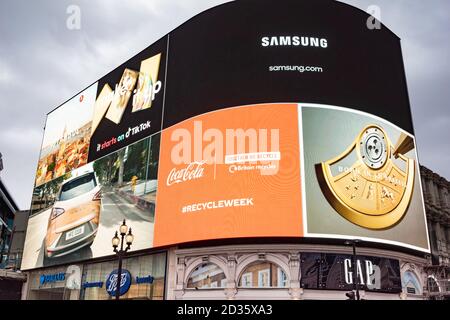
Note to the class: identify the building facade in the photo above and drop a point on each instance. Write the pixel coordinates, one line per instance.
(93, 280)
(17, 239)
(239, 272)
(7, 211)
(436, 191)
(11, 279)
(245, 182)
(267, 271)
(277, 271)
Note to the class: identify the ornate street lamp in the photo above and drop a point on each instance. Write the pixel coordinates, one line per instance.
(116, 241)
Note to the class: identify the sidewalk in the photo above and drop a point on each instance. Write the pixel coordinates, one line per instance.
(142, 200)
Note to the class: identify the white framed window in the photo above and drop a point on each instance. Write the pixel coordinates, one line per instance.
(206, 275)
(223, 283)
(246, 280)
(264, 278)
(282, 280)
(265, 274)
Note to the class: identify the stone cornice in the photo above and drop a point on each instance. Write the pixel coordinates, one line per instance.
(12, 275)
(293, 248)
(436, 178)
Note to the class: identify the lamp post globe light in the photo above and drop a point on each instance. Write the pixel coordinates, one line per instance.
(126, 237)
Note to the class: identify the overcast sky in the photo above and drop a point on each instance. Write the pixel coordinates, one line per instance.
(43, 63)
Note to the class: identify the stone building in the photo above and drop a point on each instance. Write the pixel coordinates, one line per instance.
(436, 191)
(11, 244)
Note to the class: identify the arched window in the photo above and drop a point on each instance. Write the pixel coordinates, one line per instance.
(263, 274)
(433, 286)
(205, 276)
(411, 283)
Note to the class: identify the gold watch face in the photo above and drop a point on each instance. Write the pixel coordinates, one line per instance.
(375, 191)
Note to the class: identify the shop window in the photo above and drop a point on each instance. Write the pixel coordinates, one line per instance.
(263, 274)
(205, 276)
(432, 285)
(246, 280)
(51, 284)
(147, 273)
(263, 278)
(282, 278)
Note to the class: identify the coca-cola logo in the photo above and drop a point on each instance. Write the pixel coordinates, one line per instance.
(194, 170)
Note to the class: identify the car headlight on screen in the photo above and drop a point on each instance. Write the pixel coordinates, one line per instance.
(56, 212)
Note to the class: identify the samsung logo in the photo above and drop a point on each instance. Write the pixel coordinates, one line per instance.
(294, 41)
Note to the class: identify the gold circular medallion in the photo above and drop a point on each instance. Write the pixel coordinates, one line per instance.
(374, 192)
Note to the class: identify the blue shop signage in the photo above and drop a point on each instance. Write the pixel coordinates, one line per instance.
(111, 282)
(51, 278)
(147, 279)
(93, 284)
(125, 282)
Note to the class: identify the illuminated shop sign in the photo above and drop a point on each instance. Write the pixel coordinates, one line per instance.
(51, 278)
(147, 279)
(336, 272)
(111, 282)
(93, 284)
(125, 282)
(368, 277)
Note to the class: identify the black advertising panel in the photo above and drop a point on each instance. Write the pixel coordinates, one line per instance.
(285, 51)
(129, 102)
(357, 149)
(336, 272)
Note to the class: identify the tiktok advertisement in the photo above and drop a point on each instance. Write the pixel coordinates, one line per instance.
(99, 165)
(73, 216)
(230, 173)
(128, 105)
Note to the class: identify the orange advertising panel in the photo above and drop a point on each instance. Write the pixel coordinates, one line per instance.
(230, 173)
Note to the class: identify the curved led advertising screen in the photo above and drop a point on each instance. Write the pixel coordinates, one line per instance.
(253, 119)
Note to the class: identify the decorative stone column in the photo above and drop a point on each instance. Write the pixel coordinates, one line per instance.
(231, 288)
(179, 289)
(294, 269)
